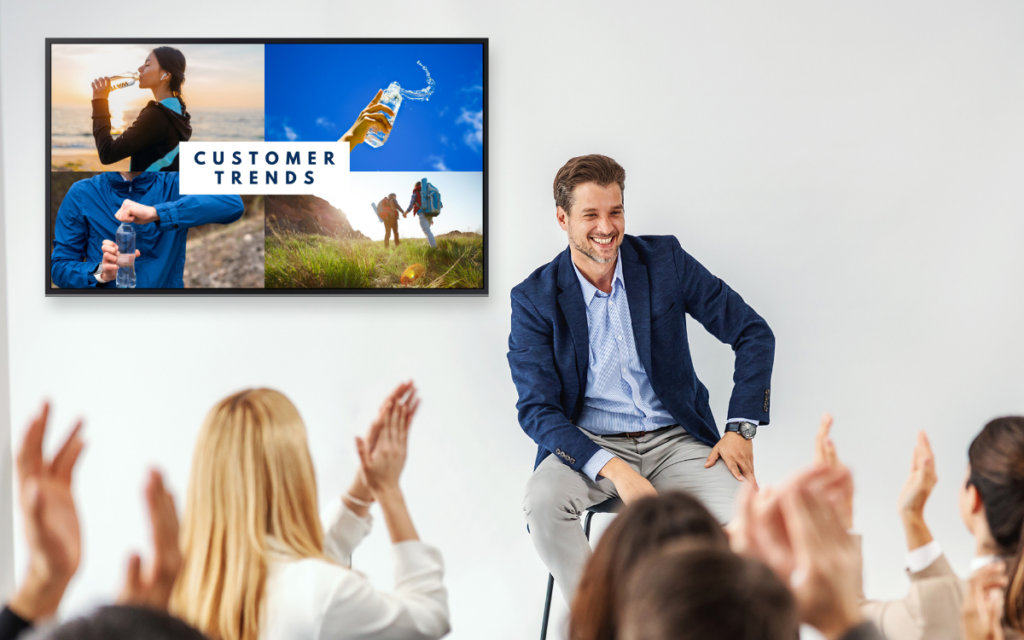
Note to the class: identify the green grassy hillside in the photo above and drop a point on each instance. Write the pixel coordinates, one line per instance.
(315, 261)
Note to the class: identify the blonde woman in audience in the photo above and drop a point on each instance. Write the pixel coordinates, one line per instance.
(258, 564)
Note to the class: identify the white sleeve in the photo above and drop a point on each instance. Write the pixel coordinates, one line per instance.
(416, 610)
(922, 557)
(343, 531)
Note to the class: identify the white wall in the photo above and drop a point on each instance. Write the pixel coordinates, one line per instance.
(6, 458)
(853, 169)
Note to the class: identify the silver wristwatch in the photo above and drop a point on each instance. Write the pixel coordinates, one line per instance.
(746, 429)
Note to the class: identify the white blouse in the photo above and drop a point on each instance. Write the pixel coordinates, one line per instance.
(315, 599)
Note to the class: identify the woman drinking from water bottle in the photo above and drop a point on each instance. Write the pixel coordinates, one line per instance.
(152, 140)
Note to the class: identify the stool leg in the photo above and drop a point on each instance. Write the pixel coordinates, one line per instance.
(551, 582)
(547, 608)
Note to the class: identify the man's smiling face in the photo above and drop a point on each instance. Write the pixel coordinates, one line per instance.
(596, 222)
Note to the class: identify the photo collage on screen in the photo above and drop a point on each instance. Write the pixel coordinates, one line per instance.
(410, 215)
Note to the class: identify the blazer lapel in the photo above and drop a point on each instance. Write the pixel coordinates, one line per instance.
(570, 301)
(638, 293)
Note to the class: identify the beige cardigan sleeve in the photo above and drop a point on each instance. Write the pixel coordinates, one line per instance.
(929, 611)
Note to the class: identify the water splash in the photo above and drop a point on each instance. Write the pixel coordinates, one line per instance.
(392, 97)
(425, 92)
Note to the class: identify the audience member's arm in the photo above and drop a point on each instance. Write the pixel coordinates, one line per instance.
(51, 521)
(915, 494)
(347, 523)
(152, 587)
(418, 607)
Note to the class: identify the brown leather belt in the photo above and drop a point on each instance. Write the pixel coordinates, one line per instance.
(637, 434)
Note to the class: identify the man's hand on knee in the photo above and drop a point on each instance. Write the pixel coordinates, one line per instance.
(629, 484)
(737, 453)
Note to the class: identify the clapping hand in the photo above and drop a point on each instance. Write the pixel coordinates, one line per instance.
(921, 480)
(382, 453)
(51, 519)
(825, 454)
(151, 587)
(982, 613)
(797, 531)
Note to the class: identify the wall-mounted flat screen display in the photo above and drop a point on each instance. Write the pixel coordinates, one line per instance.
(245, 166)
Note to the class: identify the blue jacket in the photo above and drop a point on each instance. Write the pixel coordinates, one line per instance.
(549, 344)
(86, 218)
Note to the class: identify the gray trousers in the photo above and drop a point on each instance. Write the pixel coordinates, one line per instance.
(556, 495)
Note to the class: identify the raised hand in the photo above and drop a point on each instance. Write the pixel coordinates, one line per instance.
(151, 587)
(915, 493)
(797, 531)
(825, 581)
(381, 462)
(922, 477)
(825, 455)
(382, 454)
(51, 519)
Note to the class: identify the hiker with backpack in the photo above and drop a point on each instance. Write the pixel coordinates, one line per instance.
(387, 210)
(425, 203)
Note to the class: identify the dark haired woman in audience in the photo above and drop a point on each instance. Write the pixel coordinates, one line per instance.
(152, 140)
(644, 526)
(991, 502)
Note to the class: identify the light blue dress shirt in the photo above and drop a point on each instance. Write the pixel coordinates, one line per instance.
(619, 397)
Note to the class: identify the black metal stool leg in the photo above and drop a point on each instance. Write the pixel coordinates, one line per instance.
(547, 608)
(551, 582)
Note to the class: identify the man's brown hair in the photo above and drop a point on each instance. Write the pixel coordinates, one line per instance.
(594, 168)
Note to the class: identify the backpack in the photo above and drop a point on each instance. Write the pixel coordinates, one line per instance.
(430, 199)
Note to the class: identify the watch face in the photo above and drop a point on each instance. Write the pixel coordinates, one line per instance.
(748, 430)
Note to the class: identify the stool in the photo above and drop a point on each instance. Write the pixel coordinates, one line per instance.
(611, 505)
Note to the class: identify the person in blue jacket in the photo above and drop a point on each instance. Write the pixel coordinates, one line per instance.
(84, 253)
(607, 389)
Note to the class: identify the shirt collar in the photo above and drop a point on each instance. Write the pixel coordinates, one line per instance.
(977, 562)
(589, 290)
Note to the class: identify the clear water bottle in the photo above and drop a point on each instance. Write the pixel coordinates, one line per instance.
(123, 79)
(126, 260)
(392, 97)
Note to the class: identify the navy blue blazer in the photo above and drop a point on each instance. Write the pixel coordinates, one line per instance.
(548, 348)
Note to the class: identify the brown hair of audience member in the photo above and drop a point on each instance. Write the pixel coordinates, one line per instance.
(123, 623)
(996, 458)
(595, 168)
(643, 527)
(689, 591)
(252, 480)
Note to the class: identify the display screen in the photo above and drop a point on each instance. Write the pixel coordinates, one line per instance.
(266, 166)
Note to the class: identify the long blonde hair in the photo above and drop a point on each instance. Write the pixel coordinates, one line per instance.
(252, 478)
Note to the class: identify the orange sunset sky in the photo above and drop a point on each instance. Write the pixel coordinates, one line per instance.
(216, 75)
